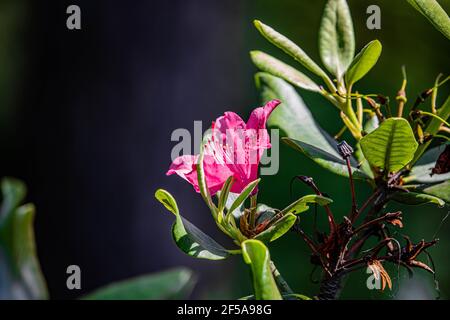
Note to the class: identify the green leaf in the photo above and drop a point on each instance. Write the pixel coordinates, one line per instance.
(434, 13)
(13, 192)
(237, 212)
(363, 62)
(187, 236)
(194, 242)
(371, 124)
(20, 272)
(277, 229)
(25, 254)
(326, 160)
(171, 284)
(422, 169)
(167, 200)
(224, 193)
(441, 190)
(291, 49)
(244, 195)
(413, 198)
(336, 37)
(202, 184)
(391, 146)
(291, 296)
(301, 204)
(256, 254)
(296, 121)
(277, 68)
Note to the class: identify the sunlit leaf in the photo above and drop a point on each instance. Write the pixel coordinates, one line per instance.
(434, 13)
(167, 200)
(278, 229)
(224, 193)
(391, 146)
(336, 37)
(256, 254)
(244, 195)
(277, 68)
(190, 239)
(413, 198)
(289, 47)
(363, 62)
(302, 204)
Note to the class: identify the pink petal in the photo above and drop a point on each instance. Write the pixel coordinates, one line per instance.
(229, 120)
(185, 167)
(259, 116)
(215, 173)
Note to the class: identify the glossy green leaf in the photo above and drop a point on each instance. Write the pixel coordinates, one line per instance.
(290, 48)
(302, 204)
(326, 160)
(277, 229)
(277, 68)
(296, 121)
(237, 212)
(256, 254)
(336, 37)
(244, 195)
(391, 146)
(434, 13)
(171, 284)
(167, 200)
(413, 198)
(188, 237)
(224, 193)
(421, 172)
(440, 190)
(363, 62)
(194, 242)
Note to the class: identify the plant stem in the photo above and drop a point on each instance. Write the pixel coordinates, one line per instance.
(330, 287)
(401, 95)
(352, 188)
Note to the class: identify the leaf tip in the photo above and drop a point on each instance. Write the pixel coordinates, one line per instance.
(167, 200)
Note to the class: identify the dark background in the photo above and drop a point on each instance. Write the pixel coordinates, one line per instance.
(86, 118)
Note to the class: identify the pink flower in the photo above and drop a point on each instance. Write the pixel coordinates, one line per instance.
(234, 148)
